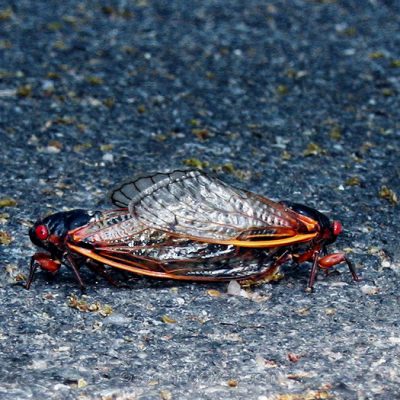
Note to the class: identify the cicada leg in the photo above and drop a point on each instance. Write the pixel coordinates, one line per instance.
(270, 274)
(336, 258)
(75, 268)
(45, 262)
(34, 264)
(314, 271)
(100, 270)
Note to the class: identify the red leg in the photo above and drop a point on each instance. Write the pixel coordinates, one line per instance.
(45, 262)
(336, 258)
(307, 256)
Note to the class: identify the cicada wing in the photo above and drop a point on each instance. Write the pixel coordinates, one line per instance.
(194, 204)
(240, 266)
(111, 226)
(132, 189)
(183, 260)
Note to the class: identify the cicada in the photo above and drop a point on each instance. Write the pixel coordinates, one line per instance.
(187, 225)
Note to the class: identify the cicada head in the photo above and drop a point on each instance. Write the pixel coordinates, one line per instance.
(50, 232)
(335, 230)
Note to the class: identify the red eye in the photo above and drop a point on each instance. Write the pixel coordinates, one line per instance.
(337, 228)
(42, 232)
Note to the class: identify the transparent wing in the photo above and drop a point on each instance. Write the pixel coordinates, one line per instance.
(133, 188)
(241, 266)
(185, 260)
(116, 238)
(194, 204)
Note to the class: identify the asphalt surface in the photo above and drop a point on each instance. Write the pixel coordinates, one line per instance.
(295, 100)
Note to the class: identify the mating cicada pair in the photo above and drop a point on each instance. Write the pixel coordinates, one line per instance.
(187, 225)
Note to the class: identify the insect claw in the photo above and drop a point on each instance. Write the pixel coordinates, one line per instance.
(352, 269)
(32, 269)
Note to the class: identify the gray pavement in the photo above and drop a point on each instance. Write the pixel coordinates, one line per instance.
(295, 100)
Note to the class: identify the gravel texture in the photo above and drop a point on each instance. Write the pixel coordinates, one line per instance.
(295, 100)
